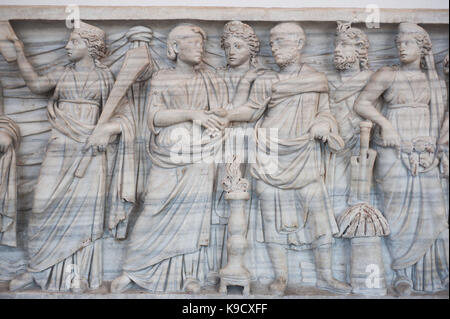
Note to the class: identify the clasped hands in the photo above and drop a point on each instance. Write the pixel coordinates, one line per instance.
(215, 120)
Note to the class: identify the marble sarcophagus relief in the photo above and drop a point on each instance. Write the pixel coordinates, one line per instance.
(289, 152)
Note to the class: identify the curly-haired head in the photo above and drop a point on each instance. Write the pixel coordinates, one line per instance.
(246, 33)
(346, 32)
(95, 38)
(420, 35)
(180, 32)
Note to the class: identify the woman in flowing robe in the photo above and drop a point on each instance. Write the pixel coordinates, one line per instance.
(66, 225)
(9, 143)
(406, 169)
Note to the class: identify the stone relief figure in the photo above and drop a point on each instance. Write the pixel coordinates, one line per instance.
(241, 46)
(443, 143)
(168, 247)
(66, 224)
(406, 169)
(351, 59)
(296, 209)
(9, 143)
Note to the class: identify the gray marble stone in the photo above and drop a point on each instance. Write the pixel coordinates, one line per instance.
(130, 219)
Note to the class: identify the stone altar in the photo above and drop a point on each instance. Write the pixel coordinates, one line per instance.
(236, 82)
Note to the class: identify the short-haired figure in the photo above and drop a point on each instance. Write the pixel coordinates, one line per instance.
(351, 59)
(66, 226)
(406, 168)
(168, 249)
(9, 142)
(296, 210)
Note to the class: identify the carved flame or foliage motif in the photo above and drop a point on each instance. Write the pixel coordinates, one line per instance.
(233, 182)
(362, 220)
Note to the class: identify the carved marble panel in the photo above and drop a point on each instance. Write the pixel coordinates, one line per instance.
(291, 152)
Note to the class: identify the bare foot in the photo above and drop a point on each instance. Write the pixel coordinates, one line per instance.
(278, 286)
(21, 282)
(120, 284)
(80, 287)
(192, 286)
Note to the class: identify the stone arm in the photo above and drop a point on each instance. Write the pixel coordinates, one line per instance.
(245, 84)
(444, 131)
(257, 97)
(365, 105)
(36, 83)
(324, 122)
(208, 120)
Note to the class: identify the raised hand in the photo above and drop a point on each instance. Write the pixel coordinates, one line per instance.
(18, 45)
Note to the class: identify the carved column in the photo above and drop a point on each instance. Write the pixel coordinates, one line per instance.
(235, 273)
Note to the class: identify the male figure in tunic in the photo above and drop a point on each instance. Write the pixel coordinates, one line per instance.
(296, 209)
(9, 142)
(168, 249)
(351, 61)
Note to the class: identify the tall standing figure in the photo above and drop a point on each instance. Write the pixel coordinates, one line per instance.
(406, 169)
(168, 248)
(9, 142)
(351, 59)
(241, 46)
(296, 210)
(443, 142)
(66, 224)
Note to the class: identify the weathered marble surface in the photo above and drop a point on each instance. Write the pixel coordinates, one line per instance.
(44, 45)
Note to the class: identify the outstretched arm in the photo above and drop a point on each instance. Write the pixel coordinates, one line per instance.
(365, 105)
(36, 83)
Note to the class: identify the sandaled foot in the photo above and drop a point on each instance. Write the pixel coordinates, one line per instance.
(334, 285)
(21, 282)
(120, 284)
(192, 286)
(278, 286)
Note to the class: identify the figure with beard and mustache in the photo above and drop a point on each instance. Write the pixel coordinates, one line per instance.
(296, 210)
(406, 168)
(351, 61)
